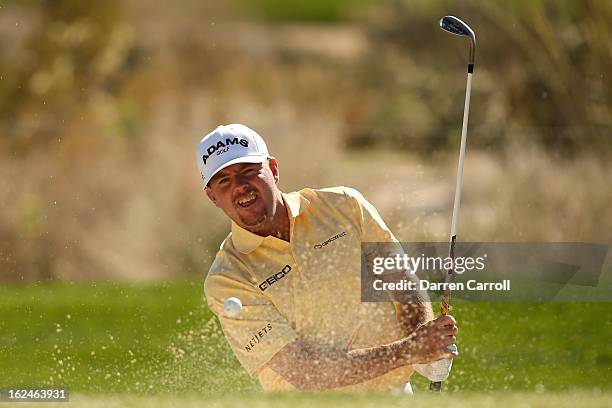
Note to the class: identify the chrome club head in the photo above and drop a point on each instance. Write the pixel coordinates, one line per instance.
(453, 25)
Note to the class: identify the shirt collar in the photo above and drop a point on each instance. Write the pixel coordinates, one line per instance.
(296, 203)
(245, 241)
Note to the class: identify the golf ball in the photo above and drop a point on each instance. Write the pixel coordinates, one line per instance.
(232, 306)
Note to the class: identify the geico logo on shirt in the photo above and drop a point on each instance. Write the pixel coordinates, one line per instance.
(274, 278)
(221, 147)
(257, 338)
(335, 237)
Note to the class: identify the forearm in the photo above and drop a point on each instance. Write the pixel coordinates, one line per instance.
(413, 314)
(413, 307)
(309, 368)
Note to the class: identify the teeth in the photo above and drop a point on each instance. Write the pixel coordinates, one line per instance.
(247, 199)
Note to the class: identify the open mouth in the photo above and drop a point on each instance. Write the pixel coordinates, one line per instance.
(247, 200)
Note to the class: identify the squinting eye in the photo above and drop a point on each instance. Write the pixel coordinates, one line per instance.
(249, 172)
(222, 182)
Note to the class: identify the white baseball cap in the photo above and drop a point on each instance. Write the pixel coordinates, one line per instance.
(227, 145)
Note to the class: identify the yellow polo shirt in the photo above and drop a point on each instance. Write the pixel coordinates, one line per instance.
(308, 288)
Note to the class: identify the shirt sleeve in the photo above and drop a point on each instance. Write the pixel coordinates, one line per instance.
(378, 241)
(259, 331)
(373, 228)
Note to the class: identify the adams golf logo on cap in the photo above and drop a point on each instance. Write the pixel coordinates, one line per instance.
(221, 147)
(227, 145)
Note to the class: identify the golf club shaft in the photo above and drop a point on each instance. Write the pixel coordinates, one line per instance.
(445, 306)
(457, 201)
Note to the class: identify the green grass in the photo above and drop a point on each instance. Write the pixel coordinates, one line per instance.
(111, 338)
(426, 400)
(161, 339)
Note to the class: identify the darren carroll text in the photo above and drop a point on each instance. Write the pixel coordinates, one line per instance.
(427, 285)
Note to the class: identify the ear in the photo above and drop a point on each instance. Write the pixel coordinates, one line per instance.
(273, 164)
(211, 195)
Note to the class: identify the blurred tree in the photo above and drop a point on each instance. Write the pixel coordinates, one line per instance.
(541, 73)
(59, 56)
(304, 10)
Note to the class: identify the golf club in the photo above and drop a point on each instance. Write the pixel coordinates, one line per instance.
(455, 26)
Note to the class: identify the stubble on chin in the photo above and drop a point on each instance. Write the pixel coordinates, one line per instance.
(255, 225)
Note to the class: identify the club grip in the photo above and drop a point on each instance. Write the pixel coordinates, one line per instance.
(435, 371)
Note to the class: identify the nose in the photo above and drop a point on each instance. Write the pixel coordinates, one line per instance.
(241, 184)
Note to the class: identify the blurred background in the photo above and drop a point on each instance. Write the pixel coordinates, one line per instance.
(106, 234)
(102, 104)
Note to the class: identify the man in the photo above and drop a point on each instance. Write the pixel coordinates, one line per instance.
(294, 262)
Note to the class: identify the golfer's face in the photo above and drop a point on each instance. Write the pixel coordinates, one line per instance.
(245, 192)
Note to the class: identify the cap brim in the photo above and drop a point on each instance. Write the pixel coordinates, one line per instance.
(245, 159)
